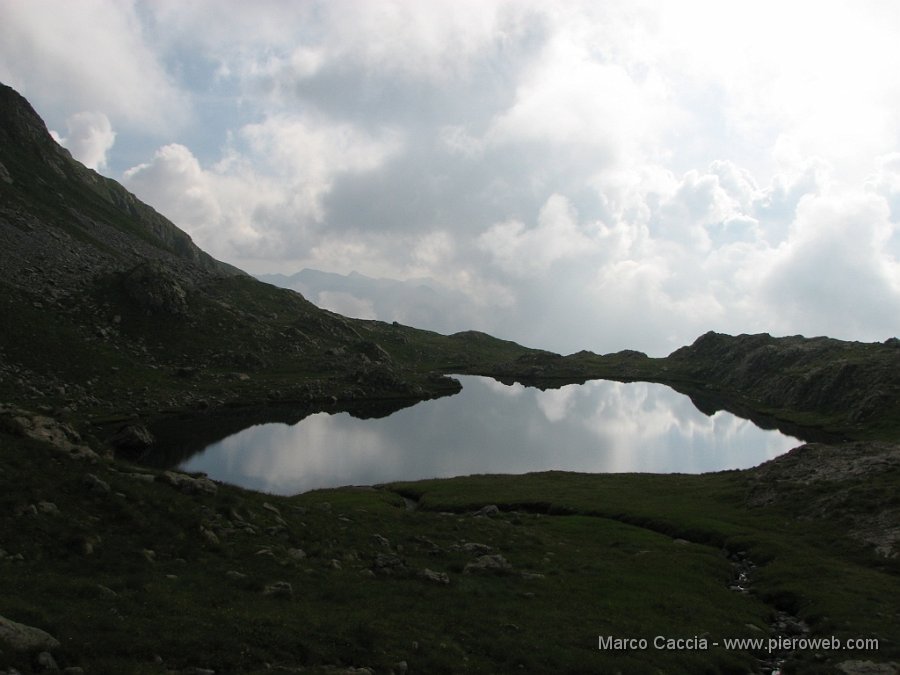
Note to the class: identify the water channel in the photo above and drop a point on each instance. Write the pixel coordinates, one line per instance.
(599, 426)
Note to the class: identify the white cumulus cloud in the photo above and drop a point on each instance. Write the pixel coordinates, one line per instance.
(89, 138)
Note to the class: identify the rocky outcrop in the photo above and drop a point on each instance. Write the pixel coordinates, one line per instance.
(848, 482)
(21, 638)
(46, 429)
(132, 438)
(188, 484)
(155, 289)
(853, 381)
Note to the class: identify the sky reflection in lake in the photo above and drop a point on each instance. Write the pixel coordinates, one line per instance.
(600, 426)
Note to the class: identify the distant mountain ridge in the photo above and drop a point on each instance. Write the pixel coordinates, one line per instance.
(419, 302)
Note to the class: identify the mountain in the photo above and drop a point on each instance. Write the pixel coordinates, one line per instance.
(425, 303)
(78, 223)
(112, 311)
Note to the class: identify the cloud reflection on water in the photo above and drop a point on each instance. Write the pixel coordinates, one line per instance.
(600, 426)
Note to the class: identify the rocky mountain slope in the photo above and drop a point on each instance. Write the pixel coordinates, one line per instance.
(111, 310)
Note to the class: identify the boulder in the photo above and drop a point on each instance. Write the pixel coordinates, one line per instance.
(155, 289)
(57, 434)
(388, 564)
(95, 484)
(434, 577)
(488, 564)
(188, 484)
(279, 589)
(21, 638)
(132, 437)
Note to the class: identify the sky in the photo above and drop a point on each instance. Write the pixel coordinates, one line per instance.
(573, 175)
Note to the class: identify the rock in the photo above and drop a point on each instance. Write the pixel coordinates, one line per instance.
(107, 591)
(381, 541)
(95, 484)
(188, 484)
(435, 577)
(388, 564)
(279, 589)
(132, 437)
(88, 543)
(46, 429)
(273, 509)
(4, 175)
(21, 638)
(46, 662)
(488, 564)
(296, 554)
(490, 510)
(156, 290)
(210, 536)
(48, 507)
(374, 351)
(142, 477)
(473, 548)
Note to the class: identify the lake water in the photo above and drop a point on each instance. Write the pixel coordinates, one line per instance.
(489, 427)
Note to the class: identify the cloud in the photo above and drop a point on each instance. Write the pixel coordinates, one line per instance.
(264, 197)
(571, 98)
(90, 137)
(578, 175)
(175, 179)
(91, 55)
(834, 276)
(557, 237)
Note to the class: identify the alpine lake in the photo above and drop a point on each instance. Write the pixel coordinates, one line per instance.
(600, 426)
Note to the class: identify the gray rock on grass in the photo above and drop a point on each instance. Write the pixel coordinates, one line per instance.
(21, 638)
